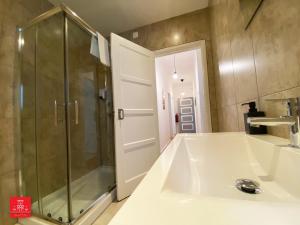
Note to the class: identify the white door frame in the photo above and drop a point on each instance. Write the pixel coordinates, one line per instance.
(205, 120)
(171, 116)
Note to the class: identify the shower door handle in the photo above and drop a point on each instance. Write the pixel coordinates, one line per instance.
(57, 120)
(76, 112)
(55, 113)
(121, 114)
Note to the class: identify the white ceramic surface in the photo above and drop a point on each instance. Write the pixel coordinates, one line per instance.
(193, 183)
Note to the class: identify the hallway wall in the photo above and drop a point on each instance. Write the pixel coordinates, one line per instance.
(163, 87)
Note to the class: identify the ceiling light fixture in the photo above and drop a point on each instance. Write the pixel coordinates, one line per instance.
(176, 37)
(175, 75)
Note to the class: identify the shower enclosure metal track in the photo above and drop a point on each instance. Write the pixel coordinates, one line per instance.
(61, 8)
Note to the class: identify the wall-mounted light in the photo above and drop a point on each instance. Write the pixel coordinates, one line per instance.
(163, 100)
(175, 75)
(21, 42)
(176, 37)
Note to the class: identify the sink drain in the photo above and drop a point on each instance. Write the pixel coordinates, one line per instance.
(247, 186)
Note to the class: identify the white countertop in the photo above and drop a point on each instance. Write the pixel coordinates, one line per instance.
(150, 204)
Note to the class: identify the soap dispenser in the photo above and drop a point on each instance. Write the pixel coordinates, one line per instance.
(253, 113)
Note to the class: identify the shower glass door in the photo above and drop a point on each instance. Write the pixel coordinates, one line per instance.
(89, 178)
(51, 118)
(43, 118)
(67, 144)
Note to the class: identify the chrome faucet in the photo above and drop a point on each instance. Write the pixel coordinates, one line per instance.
(291, 119)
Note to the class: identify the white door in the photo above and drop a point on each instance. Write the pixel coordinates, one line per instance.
(136, 123)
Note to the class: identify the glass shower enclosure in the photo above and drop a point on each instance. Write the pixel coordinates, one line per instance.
(66, 117)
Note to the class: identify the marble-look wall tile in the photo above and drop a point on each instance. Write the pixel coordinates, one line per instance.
(275, 33)
(106, 123)
(175, 31)
(264, 58)
(6, 91)
(12, 14)
(179, 30)
(225, 78)
(215, 120)
(8, 187)
(244, 67)
(211, 80)
(8, 153)
(7, 50)
(227, 118)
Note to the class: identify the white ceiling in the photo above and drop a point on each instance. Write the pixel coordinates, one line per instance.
(185, 66)
(121, 15)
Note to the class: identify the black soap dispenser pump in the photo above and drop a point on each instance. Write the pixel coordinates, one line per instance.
(253, 113)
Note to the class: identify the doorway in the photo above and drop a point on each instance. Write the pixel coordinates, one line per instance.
(182, 91)
(142, 95)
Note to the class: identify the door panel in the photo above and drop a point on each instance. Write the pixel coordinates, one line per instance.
(91, 174)
(136, 136)
(50, 118)
(28, 119)
(140, 59)
(130, 89)
(140, 127)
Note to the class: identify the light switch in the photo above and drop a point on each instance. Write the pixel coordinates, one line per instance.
(135, 35)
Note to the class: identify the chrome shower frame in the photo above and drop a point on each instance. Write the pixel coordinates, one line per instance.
(61, 8)
(68, 14)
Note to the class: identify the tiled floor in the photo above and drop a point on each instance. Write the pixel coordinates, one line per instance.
(109, 213)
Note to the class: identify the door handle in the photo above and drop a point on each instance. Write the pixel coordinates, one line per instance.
(55, 113)
(121, 114)
(57, 120)
(76, 112)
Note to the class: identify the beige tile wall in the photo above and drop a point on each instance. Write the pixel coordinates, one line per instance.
(12, 13)
(190, 27)
(106, 123)
(256, 63)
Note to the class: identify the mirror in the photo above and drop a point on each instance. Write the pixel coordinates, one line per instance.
(249, 9)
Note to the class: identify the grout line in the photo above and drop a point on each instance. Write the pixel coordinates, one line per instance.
(10, 172)
(258, 97)
(277, 92)
(255, 67)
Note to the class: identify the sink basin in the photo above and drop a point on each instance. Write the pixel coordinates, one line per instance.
(209, 165)
(193, 182)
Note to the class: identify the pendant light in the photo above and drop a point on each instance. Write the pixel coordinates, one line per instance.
(175, 75)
